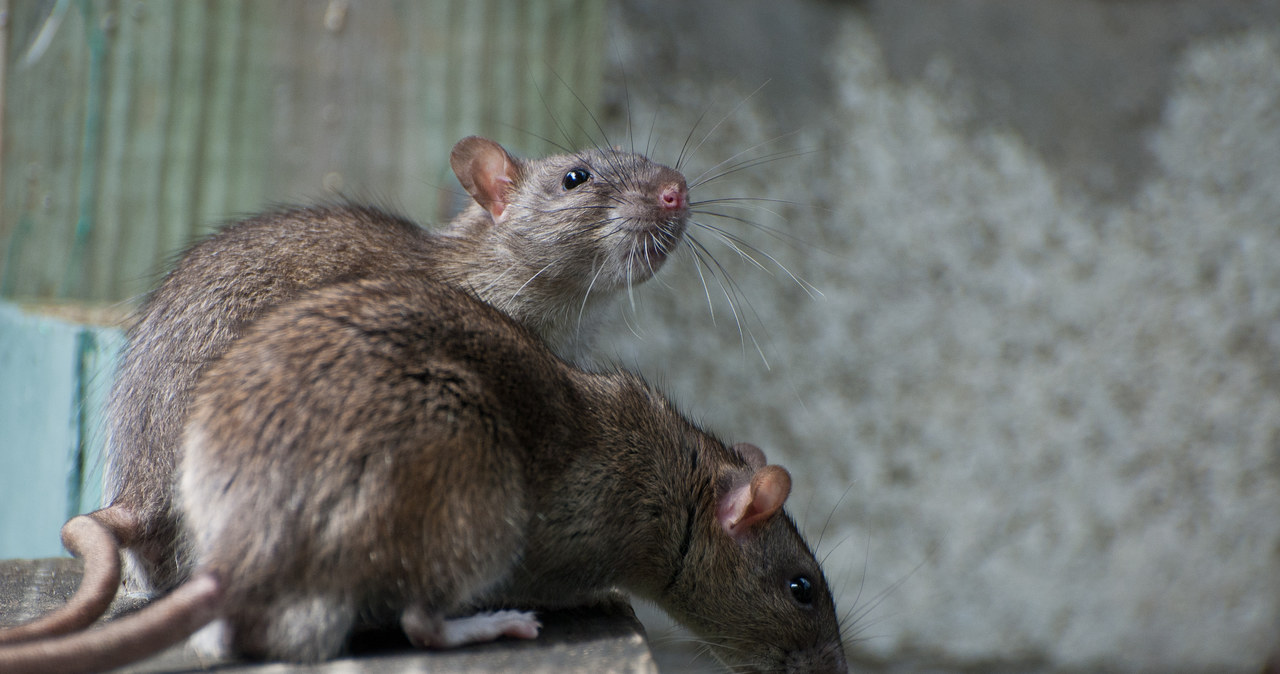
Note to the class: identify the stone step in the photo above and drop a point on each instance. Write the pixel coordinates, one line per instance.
(604, 638)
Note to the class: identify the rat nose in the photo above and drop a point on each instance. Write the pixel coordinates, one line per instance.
(674, 197)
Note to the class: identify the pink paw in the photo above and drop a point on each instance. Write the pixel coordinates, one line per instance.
(427, 632)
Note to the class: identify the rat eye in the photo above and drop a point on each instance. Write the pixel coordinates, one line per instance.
(575, 177)
(801, 590)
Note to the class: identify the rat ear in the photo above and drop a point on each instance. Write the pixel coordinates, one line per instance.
(754, 456)
(747, 505)
(486, 171)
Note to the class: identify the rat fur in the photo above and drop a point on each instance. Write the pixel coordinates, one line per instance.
(393, 450)
(549, 241)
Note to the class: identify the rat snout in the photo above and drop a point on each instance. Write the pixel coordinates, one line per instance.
(674, 197)
(671, 190)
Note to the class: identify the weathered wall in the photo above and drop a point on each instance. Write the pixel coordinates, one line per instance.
(1039, 397)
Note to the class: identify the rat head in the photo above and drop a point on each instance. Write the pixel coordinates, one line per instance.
(603, 219)
(750, 586)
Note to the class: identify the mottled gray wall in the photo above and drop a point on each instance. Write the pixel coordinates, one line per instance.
(1039, 396)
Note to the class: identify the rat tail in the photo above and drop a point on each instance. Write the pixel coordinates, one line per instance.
(94, 539)
(161, 624)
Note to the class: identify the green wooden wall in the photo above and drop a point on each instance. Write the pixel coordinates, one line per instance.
(143, 122)
(130, 127)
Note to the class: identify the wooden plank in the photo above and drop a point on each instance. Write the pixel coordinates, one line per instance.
(38, 444)
(97, 353)
(141, 226)
(41, 151)
(144, 123)
(53, 380)
(183, 159)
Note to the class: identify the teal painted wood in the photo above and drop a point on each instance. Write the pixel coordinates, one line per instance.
(54, 376)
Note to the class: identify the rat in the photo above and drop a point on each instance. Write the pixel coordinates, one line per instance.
(549, 241)
(393, 450)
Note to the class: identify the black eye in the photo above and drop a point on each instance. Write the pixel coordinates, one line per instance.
(802, 590)
(575, 177)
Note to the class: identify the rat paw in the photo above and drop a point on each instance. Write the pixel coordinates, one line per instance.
(211, 643)
(426, 631)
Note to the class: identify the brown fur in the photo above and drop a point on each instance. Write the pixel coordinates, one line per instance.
(391, 446)
(551, 256)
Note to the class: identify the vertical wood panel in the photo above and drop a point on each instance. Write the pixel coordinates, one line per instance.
(41, 141)
(147, 122)
(37, 450)
(430, 184)
(113, 196)
(181, 157)
(51, 395)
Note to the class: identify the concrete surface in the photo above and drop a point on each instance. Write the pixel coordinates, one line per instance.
(591, 640)
(1034, 417)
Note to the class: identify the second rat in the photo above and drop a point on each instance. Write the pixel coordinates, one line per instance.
(393, 450)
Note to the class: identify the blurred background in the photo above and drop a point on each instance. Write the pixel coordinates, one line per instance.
(1015, 326)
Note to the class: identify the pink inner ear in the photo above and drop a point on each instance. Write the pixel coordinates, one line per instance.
(486, 171)
(747, 505)
(497, 194)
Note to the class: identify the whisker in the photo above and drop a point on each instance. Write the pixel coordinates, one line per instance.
(555, 119)
(730, 237)
(626, 94)
(611, 158)
(721, 279)
(612, 195)
(698, 264)
(631, 286)
(538, 136)
(648, 143)
(563, 209)
(732, 242)
(878, 599)
(737, 243)
(699, 180)
(823, 532)
(663, 248)
(785, 237)
(680, 159)
(728, 200)
(724, 119)
(582, 309)
(835, 547)
(857, 598)
(758, 161)
(496, 281)
(519, 290)
(732, 308)
(585, 108)
(648, 261)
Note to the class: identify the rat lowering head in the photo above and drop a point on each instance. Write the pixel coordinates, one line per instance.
(393, 450)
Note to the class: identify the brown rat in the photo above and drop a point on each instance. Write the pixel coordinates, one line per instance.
(549, 241)
(393, 449)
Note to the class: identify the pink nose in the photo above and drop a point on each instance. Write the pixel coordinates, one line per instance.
(674, 197)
